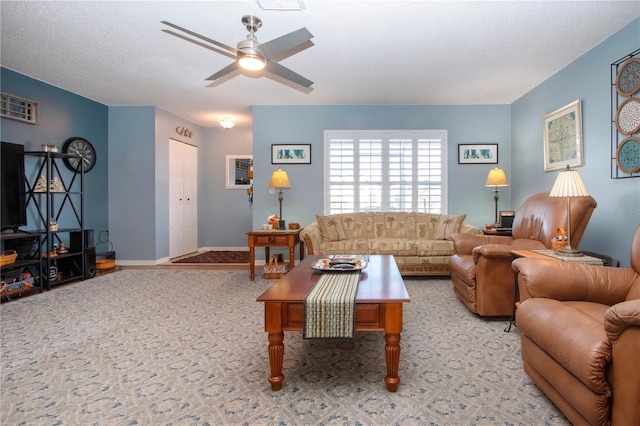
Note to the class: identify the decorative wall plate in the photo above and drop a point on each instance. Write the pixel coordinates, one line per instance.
(628, 155)
(628, 116)
(628, 79)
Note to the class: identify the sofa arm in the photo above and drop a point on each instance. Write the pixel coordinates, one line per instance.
(312, 238)
(495, 250)
(554, 279)
(621, 316)
(465, 243)
(622, 325)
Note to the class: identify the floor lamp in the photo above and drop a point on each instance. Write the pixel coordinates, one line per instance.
(496, 178)
(569, 184)
(280, 180)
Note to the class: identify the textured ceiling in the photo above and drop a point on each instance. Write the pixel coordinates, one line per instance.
(364, 52)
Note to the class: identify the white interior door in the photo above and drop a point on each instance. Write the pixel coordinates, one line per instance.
(190, 194)
(183, 200)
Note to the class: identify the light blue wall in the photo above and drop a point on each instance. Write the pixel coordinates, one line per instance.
(225, 215)
(139, 185)
(62, 115)
(132, 196)
(306, 125)
(614, 221)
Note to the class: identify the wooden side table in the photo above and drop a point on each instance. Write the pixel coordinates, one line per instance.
(274, 238)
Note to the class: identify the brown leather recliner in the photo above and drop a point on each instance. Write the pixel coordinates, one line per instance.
(580, 336)
(481, 266)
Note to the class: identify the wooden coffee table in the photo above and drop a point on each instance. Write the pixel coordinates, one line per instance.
(379, 299)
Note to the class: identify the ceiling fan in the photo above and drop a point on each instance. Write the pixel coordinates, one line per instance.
(251, 55)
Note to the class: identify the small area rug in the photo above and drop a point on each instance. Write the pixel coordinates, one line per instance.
(222, 256)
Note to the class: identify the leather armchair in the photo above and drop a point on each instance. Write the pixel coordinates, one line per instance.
(481, 265)
(580, 336)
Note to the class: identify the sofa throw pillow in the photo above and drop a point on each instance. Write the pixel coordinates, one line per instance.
(331, 228)
(448, 224)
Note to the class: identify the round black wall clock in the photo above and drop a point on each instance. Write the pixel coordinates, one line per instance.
(83, 148)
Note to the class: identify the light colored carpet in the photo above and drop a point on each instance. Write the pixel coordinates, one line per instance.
(156, 347)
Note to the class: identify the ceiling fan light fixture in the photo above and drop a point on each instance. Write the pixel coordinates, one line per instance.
(249, 58)
(251, 62)
(227, 122)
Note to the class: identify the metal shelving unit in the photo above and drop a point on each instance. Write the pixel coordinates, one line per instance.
(59, 211)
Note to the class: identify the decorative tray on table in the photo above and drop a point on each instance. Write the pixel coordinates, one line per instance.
(341, 263)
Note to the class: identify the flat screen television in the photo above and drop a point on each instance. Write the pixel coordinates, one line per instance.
(13, 202)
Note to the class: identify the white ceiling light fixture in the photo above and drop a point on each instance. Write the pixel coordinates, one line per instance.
(227, 122)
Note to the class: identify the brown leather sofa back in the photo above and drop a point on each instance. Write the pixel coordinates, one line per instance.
(539, 217)
(634, 292)
(635, 251)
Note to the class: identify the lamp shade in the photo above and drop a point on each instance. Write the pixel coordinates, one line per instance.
(279, 179)
(569, 184)
(496, 177)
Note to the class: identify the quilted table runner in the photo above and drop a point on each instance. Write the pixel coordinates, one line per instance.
(330, 308)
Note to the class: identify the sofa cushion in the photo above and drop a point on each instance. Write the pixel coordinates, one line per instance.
(353, 225)
(434, 247)
(394, 246)
(395, 224)
(376, 227)
(425, 224)
(447, 224)
(331, 227)
(345, 247)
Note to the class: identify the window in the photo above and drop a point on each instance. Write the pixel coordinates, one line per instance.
(18, 108)
(369, 171)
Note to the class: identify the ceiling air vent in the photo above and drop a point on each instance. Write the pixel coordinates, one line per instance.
(19, 109)
(281, 4)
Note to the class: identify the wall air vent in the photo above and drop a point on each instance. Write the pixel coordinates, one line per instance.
(281, 4)
(19, 109)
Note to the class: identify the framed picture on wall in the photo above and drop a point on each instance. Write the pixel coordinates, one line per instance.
(478, 154)
(291, 154)
(562, 133)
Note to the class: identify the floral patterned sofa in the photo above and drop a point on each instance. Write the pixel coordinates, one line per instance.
(420, 242)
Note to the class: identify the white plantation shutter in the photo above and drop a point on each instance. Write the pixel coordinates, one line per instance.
(385, 171)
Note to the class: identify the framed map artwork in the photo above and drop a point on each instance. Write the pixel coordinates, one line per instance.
(562, 132)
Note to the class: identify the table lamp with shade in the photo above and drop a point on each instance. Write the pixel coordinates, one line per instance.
(280, 180)
(495, 179)
(569, 184)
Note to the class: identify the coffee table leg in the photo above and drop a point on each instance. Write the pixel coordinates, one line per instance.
(393, 327)
(276, 356)
(273, 326)
(392, 355)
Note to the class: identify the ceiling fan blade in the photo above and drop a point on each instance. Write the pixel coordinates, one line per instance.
(275, 68)
(201, 37)
(224, 71)
(274, 48)
(199, 43)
